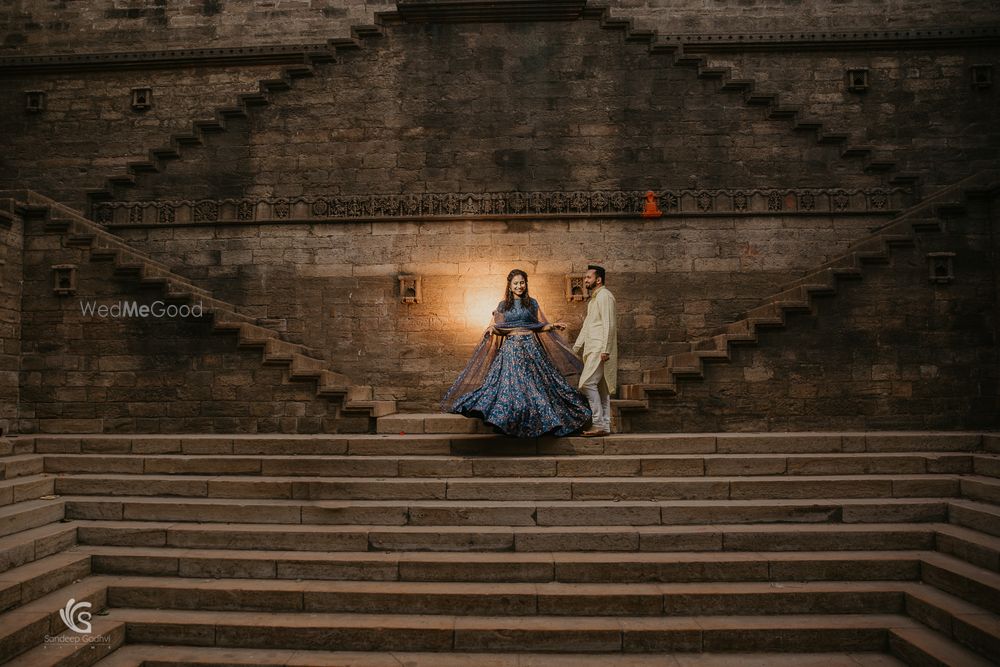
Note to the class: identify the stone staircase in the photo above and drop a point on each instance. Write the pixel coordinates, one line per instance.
(174, 148)
(465, 548)
(927, 217)
(304, 364)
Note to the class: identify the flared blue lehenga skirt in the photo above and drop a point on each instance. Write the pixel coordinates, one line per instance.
(524, 395)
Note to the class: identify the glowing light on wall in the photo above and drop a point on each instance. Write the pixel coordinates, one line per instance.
(479, 305)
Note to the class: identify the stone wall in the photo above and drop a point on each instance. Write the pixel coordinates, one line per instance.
(89, 130)
(11, 253)
(742, 16)
(893, 351)
(889, 351)
(900, 114)
(563, 106)
(336, 284)
(462, 110)
(519, 107)
(83, 373)
(994, 214)
(54, 26)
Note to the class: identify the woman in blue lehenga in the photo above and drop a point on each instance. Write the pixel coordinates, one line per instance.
(521, 377)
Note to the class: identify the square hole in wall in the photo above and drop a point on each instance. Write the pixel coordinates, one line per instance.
(857, 79)
(142, 99)
(982, 76)
(34, 101)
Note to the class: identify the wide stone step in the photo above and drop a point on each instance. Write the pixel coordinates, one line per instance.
(984, 517)
(16, 446)
(134, 655)
(517, 599)
(21, 585)
(648, 465)
(508, 513)
(972, 546)
(500, 538)
(21, 465)
(964, 623)
(21, 489)
(598, 634)
(401, 423)
(30, 514)
(616, 567)
(987, 465)
(35, 543)
(981, 488)
(963, 580)
(922, 646)
(568, 488)
(445, 444)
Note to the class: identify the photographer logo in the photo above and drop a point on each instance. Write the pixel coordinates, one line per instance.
(75, 617)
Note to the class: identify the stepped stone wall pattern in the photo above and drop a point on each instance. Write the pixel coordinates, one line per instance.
(900, 114)
(885, 353)
(87, 373)
(89, 129)
(106, 25)
(527, 107)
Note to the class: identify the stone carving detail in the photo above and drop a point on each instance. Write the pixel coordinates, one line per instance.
(669, 202)
(244, 211)
(774, 201)
(576, 203)
(841, 200)
(104, 214)
(739, 201)
(879, 200)
(206, 211)
(704, 201)
(282, 209)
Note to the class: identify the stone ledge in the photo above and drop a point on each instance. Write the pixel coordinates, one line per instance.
(689, 42)
(504, 205)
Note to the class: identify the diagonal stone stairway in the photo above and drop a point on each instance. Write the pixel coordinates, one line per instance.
(419, 547)
(303, 364)
(925, 219)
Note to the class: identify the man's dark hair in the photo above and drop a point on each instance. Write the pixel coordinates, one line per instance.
(599, 271)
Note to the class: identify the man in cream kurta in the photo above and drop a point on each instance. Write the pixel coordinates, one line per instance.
(597, 345)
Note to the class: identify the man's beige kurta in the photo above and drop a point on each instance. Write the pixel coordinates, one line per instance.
(599, 334)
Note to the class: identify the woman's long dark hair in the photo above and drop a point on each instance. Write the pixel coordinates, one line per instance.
(508, 297)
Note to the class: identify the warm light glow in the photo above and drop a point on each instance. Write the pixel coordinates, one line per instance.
(479, 306)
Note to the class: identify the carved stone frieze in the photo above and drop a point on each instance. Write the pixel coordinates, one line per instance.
(577, 203)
